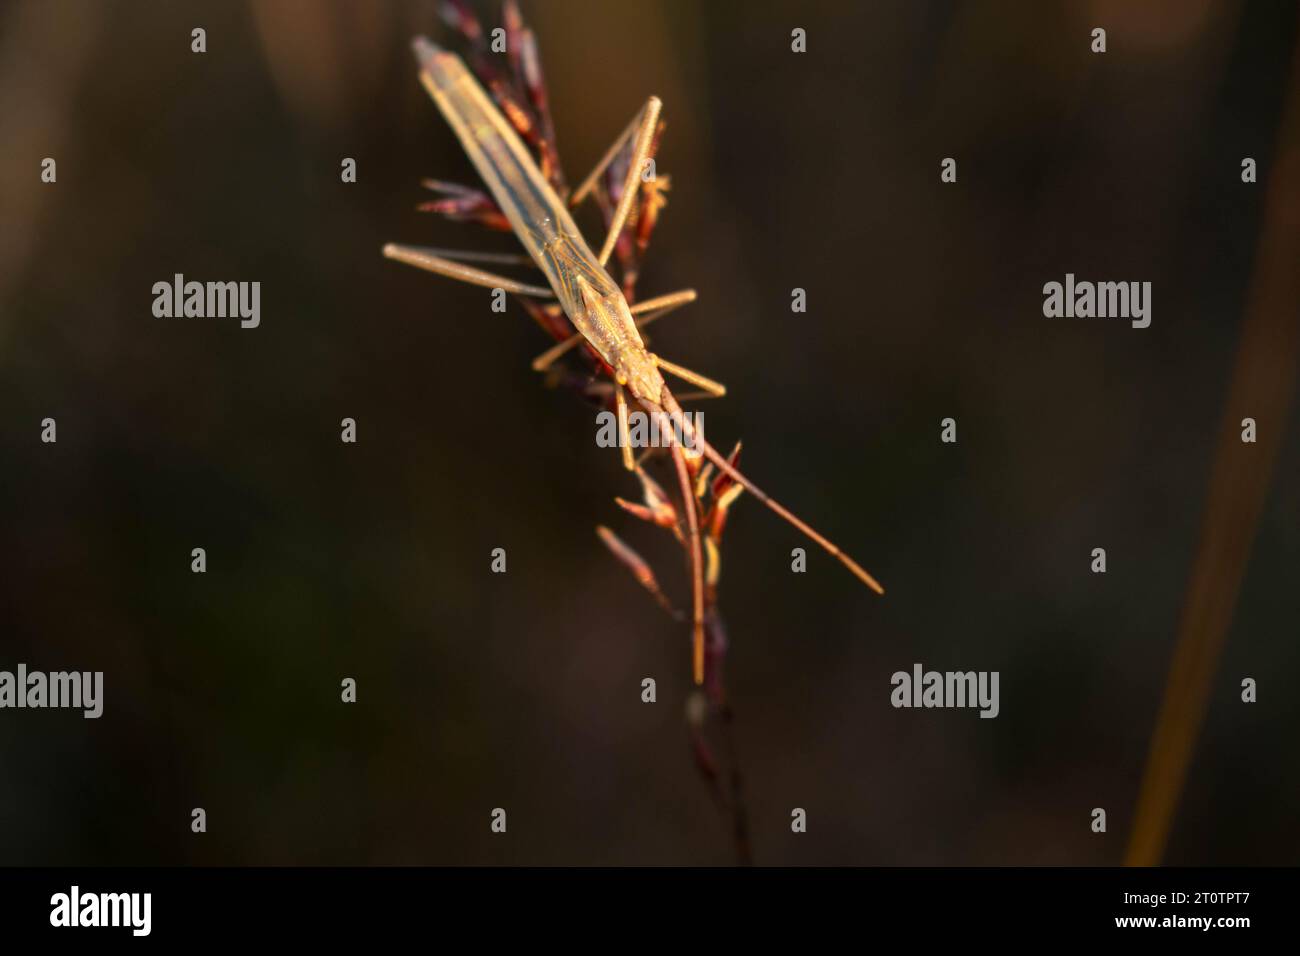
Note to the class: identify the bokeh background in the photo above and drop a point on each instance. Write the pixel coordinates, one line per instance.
(522, 690)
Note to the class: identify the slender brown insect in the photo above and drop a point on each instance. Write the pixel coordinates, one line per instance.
(577, 278)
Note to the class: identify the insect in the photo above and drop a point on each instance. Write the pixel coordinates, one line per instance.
(578, 280)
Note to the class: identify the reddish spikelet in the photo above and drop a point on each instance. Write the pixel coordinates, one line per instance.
(717, 518)
(637, 511)
(464, 204)
(551, 318)
(653, 200)
(513, 21)
(665, 513)
(637, 565)
(535, 88)
(467, 210)
(725, 481)
(457, 15)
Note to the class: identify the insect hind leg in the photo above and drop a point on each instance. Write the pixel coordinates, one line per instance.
(716, 389)
(437, 261)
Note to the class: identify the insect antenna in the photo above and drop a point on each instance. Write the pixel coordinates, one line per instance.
(695, 441)
(826, 544)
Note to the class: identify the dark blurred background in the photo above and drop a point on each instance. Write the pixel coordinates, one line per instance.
(522, 690)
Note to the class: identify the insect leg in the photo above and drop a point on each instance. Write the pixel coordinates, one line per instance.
(624, 440)
(697, 396)
(470, 255)
(649, 310)
(641, 149)
(663, 304)
(593, 177)
(431, 261)
(717, 389)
